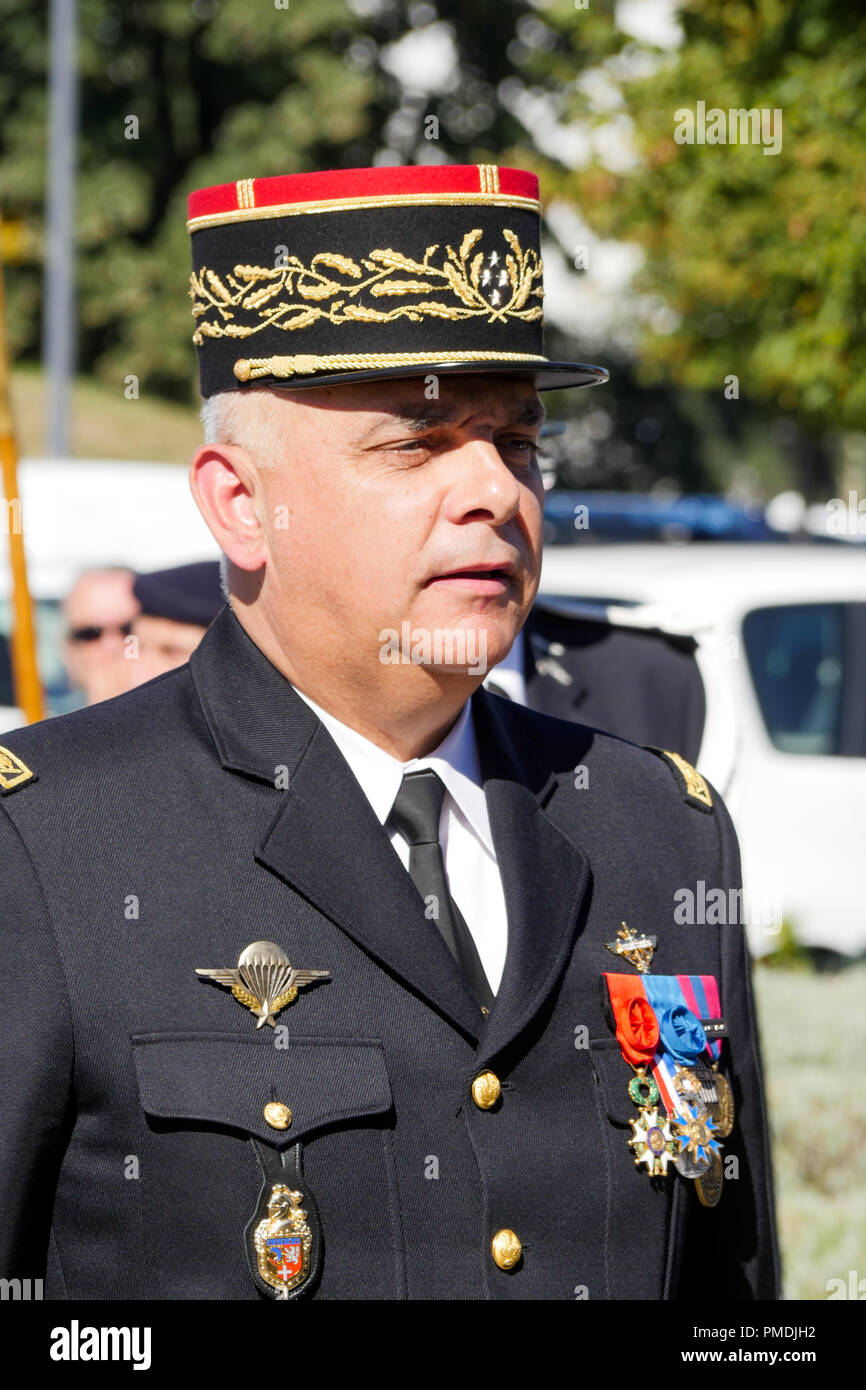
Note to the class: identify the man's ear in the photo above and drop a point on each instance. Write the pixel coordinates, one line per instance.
(223, 481)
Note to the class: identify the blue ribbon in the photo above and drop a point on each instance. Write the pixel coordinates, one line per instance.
(681, 1034)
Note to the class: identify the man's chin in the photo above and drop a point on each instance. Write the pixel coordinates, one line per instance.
(452, 646)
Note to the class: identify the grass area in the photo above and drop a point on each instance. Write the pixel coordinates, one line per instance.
(104, 423)
(813, 1031)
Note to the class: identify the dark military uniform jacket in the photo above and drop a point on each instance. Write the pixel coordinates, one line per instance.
(639, 683)
(167, 829)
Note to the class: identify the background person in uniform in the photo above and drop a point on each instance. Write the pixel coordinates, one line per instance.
(638, 683)
(316, 917)
(98, 612)
(176, 606)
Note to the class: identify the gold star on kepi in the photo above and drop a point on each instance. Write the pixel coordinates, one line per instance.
(349, 275)
(264, 980)
(637, 950)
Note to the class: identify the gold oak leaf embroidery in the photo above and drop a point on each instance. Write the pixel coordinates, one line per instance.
(293, 295)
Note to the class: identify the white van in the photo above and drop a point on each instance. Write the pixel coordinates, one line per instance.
(781, 631)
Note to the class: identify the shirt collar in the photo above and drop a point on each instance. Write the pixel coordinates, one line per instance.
(508, 675)
(455, 760)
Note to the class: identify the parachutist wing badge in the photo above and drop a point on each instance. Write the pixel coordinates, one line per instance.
(264, 980)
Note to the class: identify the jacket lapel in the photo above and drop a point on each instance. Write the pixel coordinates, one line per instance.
(327, 843)
(545, 876)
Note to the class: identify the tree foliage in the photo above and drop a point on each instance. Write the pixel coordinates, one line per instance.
(759, 256)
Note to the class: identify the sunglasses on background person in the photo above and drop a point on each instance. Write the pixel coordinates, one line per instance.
(93, 634)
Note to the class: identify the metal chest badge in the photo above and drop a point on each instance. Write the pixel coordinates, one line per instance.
(637, 950)
(264, 980)
(283, 1238)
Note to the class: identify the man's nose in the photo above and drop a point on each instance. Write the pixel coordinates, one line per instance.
(483, 487)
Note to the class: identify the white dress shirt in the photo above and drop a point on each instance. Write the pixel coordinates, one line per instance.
(464, 826)
(508, 675)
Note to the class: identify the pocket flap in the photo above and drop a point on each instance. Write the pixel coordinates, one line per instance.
(228, 1079)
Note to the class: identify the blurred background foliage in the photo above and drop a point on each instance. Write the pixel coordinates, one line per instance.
(676, 265)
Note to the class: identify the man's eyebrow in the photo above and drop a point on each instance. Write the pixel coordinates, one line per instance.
(531, 413)
(421, 417)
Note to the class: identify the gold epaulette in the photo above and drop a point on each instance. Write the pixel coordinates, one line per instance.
(692, 785)
(13, 772)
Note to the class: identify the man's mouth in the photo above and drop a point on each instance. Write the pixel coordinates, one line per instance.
(485, 578)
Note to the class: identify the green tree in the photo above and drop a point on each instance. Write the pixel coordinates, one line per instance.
(173, 96)
(759, 256)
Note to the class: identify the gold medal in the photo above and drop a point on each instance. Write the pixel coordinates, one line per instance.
(722, 1110)
(687, 1085)
(709, 1185)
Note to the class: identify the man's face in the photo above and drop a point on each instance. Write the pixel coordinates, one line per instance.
(99, 610)
(383, 508)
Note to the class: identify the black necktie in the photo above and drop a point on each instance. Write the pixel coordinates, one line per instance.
(415, 814)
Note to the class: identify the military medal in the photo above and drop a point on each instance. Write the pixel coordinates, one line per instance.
(283, 1238)
(659, 1025)
(264, 980)
(694, 1135)
(642, 1089)
(652, 1142)
(722, 1109)
(709, 1184)
(637, 950)
(686, 1084)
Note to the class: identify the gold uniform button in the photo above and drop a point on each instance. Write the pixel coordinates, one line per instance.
(505, 1249)
(486, 1090)
(277, 1115)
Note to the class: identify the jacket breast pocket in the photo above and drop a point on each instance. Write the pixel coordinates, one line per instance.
(206, 1094)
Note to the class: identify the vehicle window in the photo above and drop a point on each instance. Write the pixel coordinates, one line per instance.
(796, 656)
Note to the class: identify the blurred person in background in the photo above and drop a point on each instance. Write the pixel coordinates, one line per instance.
(642, 684)
(98, 611)
(176, 606)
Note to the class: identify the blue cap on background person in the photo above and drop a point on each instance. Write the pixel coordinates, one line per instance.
(177, 607)
(184, 594)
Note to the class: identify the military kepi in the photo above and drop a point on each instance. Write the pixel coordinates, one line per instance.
(356, 274)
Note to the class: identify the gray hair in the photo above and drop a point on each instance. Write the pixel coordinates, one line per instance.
(248, 419)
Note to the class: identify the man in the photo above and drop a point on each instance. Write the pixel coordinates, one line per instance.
(98, 612)
(176, 606)
(306, 940)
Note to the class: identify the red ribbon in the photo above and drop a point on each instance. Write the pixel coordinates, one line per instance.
(637, 1029)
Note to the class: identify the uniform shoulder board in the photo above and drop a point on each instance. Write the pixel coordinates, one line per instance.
(690, 781)
(13, 772)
